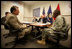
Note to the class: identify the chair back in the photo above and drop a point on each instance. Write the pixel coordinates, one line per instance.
(6, 26)
(67, 30)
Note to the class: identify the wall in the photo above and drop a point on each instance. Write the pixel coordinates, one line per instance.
(27, 13)
(6, 5)
(65, 6)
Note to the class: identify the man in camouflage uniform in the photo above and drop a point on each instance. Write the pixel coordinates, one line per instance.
(58, 25)
(14, 23)
(3, 19)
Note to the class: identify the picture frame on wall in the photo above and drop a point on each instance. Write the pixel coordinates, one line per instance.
(36, 12)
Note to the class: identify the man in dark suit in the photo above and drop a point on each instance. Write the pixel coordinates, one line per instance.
(43, 19)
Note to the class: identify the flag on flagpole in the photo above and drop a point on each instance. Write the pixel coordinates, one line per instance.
(43, 11)
(49, 11)
(49, 19)
(43, 14)
(58, 8)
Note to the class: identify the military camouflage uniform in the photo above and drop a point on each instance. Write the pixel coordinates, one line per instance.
(13, 22)
(58, 25)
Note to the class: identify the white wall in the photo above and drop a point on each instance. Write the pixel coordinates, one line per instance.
(6, 5)
(26, 10)
(64, 6)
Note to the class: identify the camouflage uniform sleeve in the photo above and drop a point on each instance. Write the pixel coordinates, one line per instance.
(58, 23)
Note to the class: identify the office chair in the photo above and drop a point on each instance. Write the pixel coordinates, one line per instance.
(12, 33)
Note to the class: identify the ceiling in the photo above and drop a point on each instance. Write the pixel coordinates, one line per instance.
(30, 2)
(33, 2)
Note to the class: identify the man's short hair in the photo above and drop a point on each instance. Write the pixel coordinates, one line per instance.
(6, 13)
(13, 8)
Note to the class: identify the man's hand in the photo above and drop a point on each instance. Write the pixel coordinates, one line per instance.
(23, 26)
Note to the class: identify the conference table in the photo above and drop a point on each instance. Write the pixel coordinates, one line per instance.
(38, 25)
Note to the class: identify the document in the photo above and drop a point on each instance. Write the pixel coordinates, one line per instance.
(26, 22)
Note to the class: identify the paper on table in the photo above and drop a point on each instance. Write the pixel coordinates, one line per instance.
(26, 22)
(43, 23)
(48, 23)
(39, 24)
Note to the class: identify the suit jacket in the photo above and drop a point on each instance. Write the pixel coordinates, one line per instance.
(50, 20)
(13, 22)
(44, 20)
